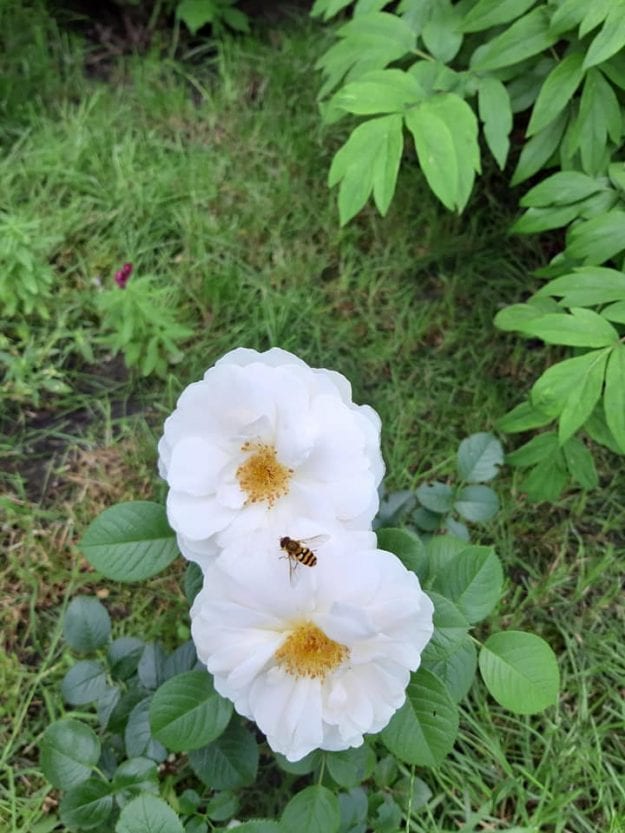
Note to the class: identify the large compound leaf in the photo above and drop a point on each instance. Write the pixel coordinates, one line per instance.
(444, 129)
(368, 161)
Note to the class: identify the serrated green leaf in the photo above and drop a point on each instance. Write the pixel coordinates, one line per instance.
(230, 761)
(444, 129)
(368, 161)
(580, 464)
(148, 814)
(473, 580)
(423, 731)
(186, 712)
(520, 671)
(86, 625)
(68, 752)
(557, 90)
(87, 805)
(351, 767)
(130, 541)
(496, 114)
(477, 503)
(134, 776)
(84, 683)
(437, 497)
(487, 13)
(527, 36)
(450, 654)
(138, 736)
(614, 397)
(313, 810)
(479, 457)
(597, 240)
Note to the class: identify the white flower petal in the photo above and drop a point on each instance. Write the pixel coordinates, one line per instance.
(196, 517)
(251, 624)
(195, 466)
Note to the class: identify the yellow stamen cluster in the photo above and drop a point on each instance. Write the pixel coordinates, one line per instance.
(308, 652)
(262, 477)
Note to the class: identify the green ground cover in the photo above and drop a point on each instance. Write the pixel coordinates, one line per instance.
(209, 174)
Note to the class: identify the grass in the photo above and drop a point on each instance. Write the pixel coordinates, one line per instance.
(209, 175)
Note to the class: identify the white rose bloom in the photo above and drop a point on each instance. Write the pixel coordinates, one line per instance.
(263, 439)
(319, 661)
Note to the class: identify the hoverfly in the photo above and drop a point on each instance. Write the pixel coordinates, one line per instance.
(299, 551)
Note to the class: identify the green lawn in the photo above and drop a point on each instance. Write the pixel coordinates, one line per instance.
(209, 174)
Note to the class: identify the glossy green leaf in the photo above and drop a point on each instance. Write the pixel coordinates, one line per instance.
(368, 162)
(87, 805)
(450, 654)
(496, 114)
(527, 36)
(587, 286)
(148, 814)
(581, 402)
(562, 188)
(230, 761)
(562, 381)
(86, 624)
(599, 239)
(611, 37)
(423, 731)
(68, 752)
(123, 656)
(557, 90)
(380, 91)
(615, 312)
(479, 458)
(546, 480)
(444, 129)
(473, 580)
(614, 397)
(138, 736)
(535, 220)
(535, 450)
(477, 503)
(186, 712)
(313, 810)
(520, 671)
(441, 33)
(522, 417)
(487, 13)
(130, 541)
(599, 117)
(582, 328)
(407, 546)
(134, 776)
(580, 463)
(539, 149)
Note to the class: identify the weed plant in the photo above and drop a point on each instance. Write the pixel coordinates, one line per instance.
(208, 173)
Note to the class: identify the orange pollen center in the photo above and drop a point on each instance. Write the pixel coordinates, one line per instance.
(308, 652)
(262, 477)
